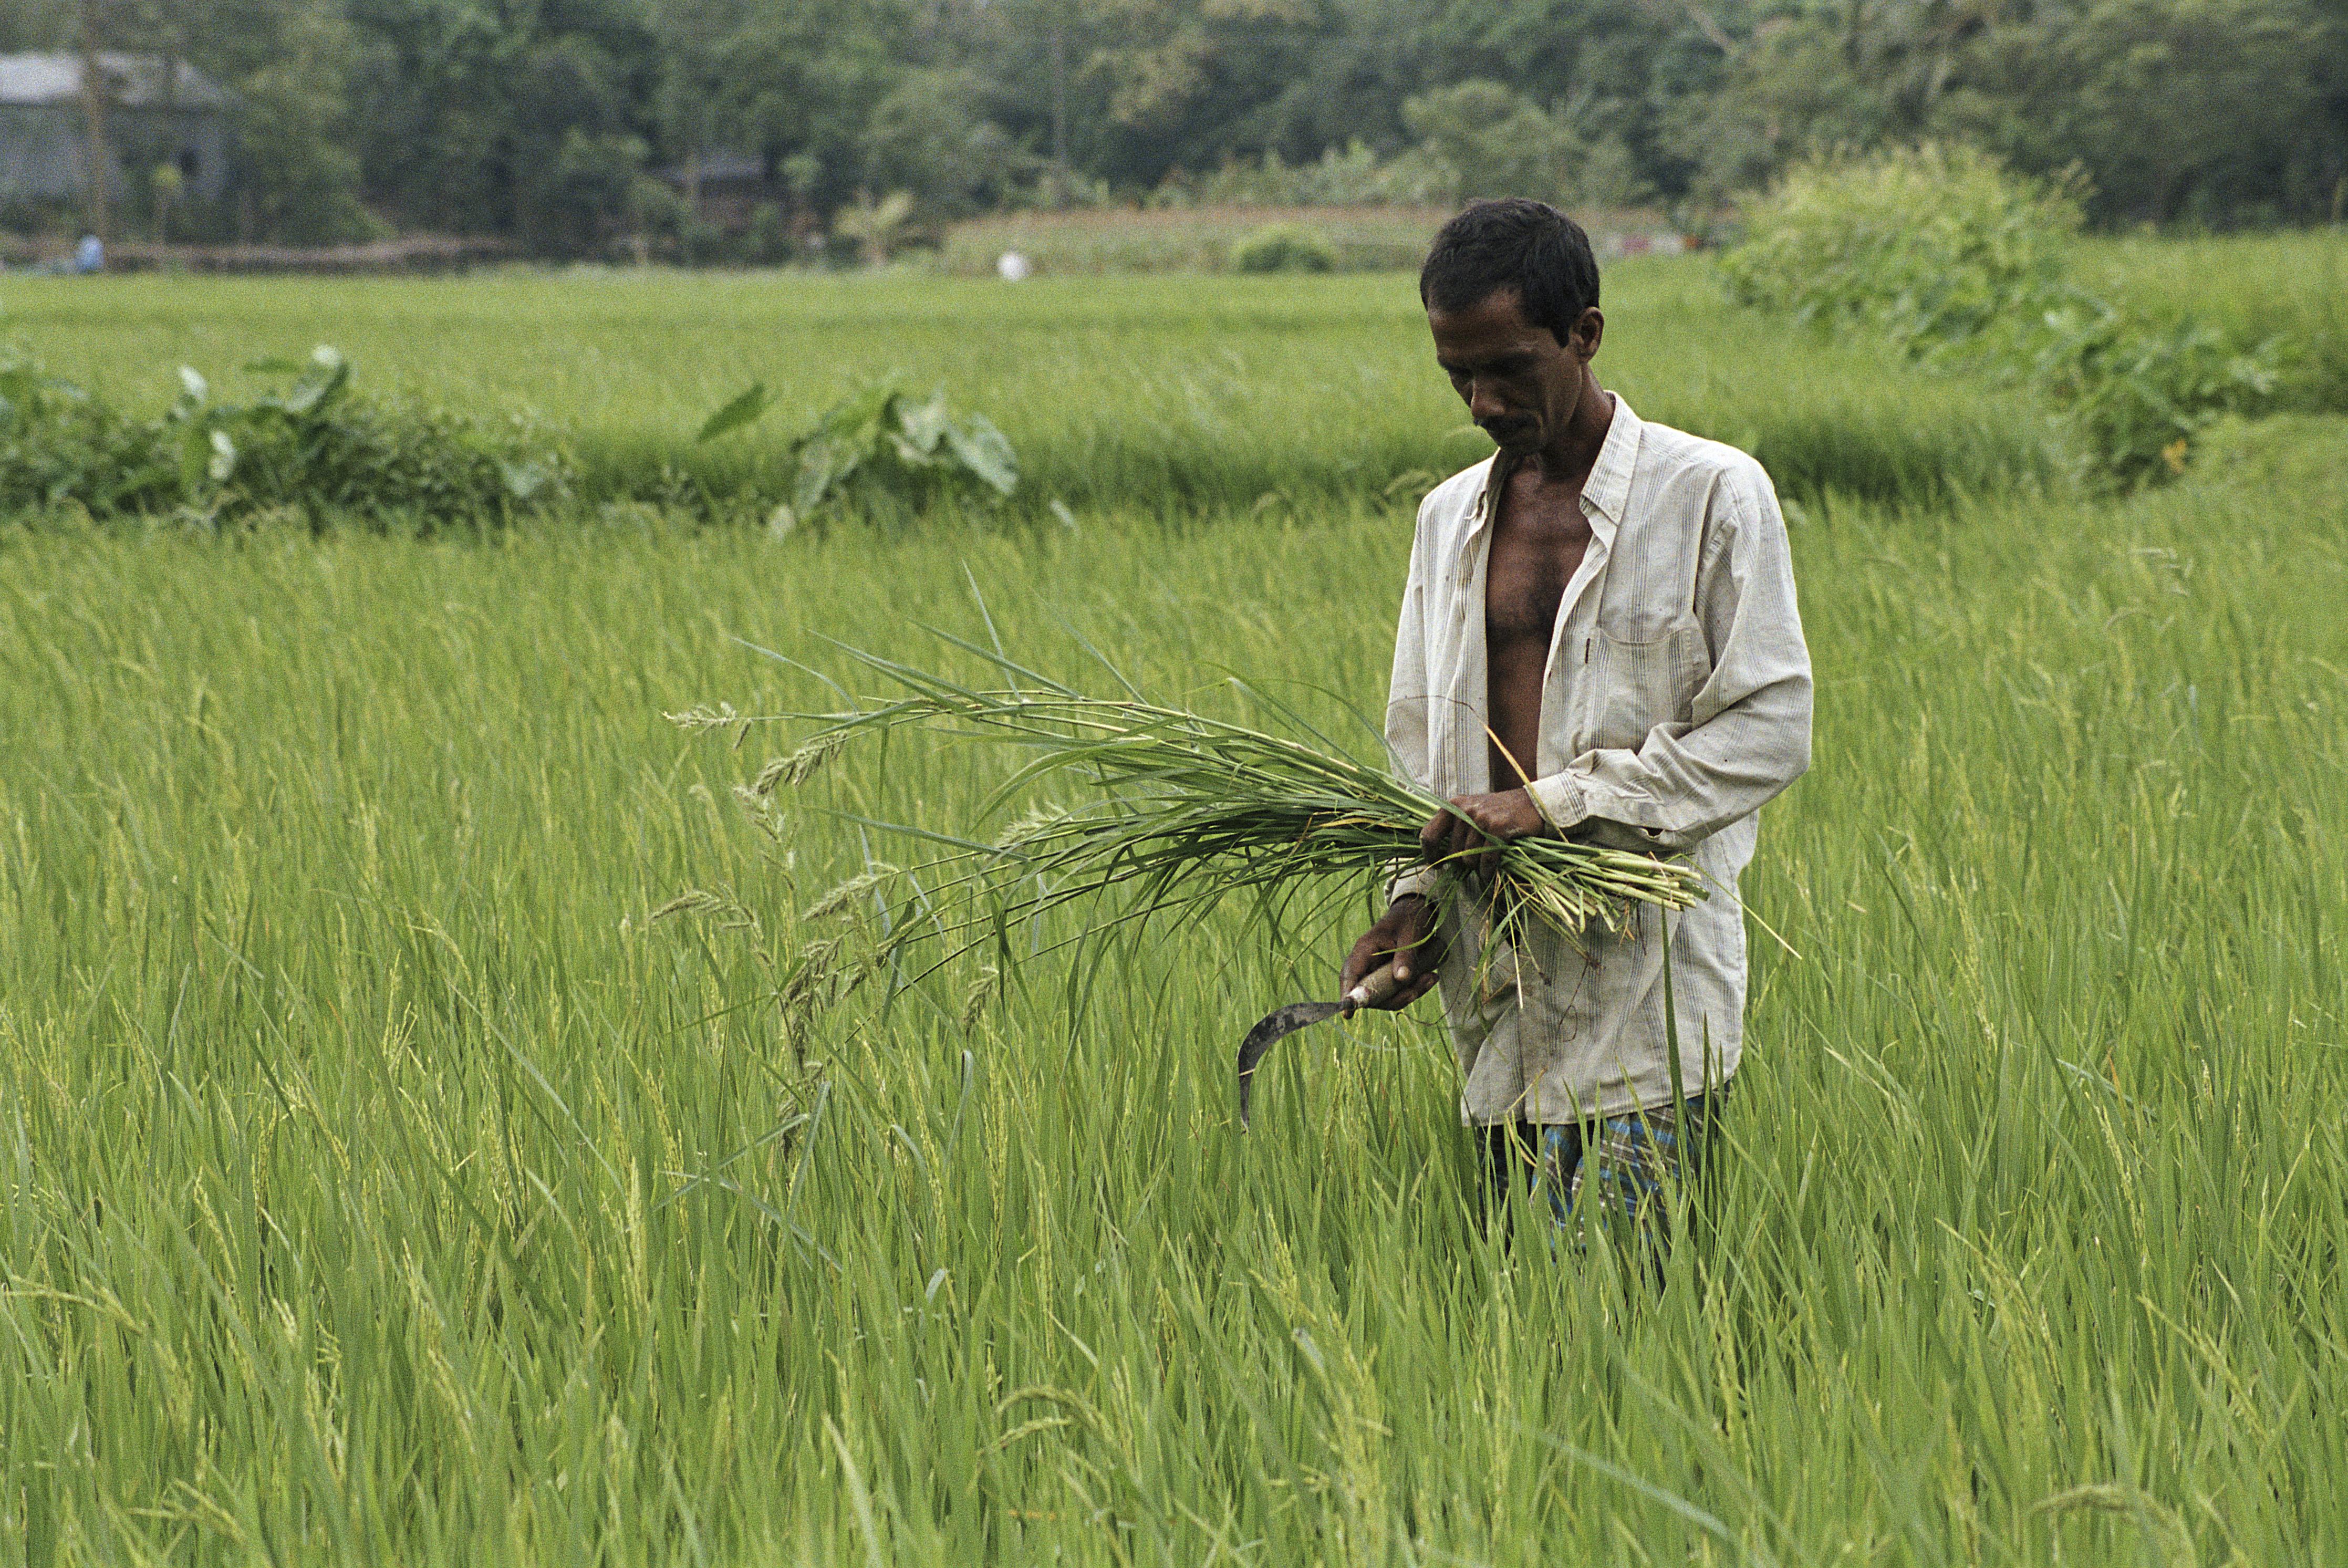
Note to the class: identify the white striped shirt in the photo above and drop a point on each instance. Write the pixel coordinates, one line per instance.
(1676, 700)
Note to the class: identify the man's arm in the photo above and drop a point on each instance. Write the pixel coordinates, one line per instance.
(1408, 743)
(1748, 733)
(1409, 931)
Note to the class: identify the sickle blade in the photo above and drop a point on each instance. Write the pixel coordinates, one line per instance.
(1276, 1026)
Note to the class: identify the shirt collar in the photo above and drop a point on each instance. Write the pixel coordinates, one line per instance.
(1608, 488)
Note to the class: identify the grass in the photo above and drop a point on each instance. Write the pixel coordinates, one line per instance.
(383, 1183)
(1197, 239)
(1175, 396)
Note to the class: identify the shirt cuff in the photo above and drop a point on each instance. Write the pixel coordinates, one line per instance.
(1418, 880)
(1561, 800)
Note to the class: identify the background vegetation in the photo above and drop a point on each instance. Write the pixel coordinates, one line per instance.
(1174, 396)
(545, 124)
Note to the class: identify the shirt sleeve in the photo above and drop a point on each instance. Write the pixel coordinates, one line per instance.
(1408, 742)
(1748, 733)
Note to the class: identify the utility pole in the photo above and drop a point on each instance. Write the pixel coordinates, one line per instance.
(1060, 98)
(101, 157)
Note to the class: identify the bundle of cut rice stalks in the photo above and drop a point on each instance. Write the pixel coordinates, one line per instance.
(1168, 809)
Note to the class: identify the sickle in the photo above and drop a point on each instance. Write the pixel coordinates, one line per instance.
(1282, 1022)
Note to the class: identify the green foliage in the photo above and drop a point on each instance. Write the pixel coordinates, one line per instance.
(312, 449)
(2213, 111)
(880, 450)
(2194, 111)
(1481, 139)
(739, 412)
(930, 136)
(529, 122)
(1352, 176)
(2287, 288)
(877, 228)
(1948, 255)
(1175, 396)
(59, 445)
(296, 166)
(2140, 397)
(1283, 248)
(1931, 246)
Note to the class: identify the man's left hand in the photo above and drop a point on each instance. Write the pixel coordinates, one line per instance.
(1477, 824)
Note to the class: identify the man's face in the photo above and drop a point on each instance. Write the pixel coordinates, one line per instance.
(1521, 385)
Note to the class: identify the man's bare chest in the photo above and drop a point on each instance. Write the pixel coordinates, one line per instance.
(1537, 547)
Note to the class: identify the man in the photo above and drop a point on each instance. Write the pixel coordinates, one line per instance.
(1599, 639)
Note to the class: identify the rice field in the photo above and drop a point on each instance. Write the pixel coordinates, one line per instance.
(383, 1183)
(1182, 397)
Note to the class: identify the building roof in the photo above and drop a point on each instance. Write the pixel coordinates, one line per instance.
(134, 81)
(717, 164)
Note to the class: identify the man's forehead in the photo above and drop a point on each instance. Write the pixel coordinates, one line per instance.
(1493, 324)
(1503, 308)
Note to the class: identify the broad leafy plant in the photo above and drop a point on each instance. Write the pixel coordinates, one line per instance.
(2137, 397)
(316, 446)
(311, 448)
(881, 449)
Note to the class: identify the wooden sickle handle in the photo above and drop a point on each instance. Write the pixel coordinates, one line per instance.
(1376, 986)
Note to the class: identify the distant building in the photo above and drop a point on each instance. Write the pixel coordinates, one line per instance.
(722, 186)
(156, 112)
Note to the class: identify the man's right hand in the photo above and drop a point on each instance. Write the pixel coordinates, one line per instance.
(1410, 933)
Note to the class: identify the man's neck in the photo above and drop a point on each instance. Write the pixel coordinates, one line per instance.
(1569, 459)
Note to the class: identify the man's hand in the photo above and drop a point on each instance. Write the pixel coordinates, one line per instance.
(1408, 933)
(1476, 824)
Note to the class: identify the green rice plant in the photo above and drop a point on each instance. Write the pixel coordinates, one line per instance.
(1183, 240)
(1185, 812)
(381, 1188)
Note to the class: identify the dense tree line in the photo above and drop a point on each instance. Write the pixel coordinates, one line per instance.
(547, 121)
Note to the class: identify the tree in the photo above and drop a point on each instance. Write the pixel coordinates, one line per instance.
(2202, 109)
(930, 136)
(287, 63)
(1479, 138)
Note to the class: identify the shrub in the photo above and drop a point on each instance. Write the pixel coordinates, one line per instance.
(313, 446)
(1950, 256)
(1283, 248)
(880, 450)
(2137, 399)
(59, 445)
(1933, 246)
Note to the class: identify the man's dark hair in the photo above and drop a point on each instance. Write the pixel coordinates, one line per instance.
(1515, 243)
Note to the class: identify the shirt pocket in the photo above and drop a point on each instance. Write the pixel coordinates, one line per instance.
(1636, 685)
